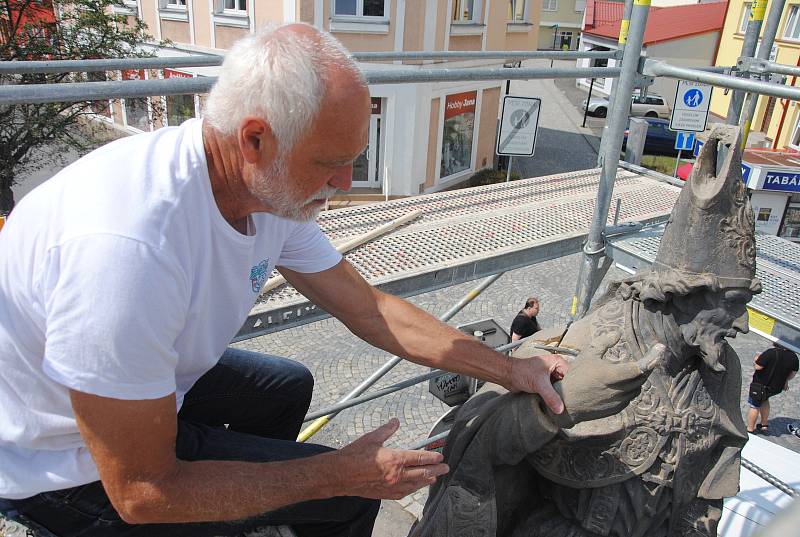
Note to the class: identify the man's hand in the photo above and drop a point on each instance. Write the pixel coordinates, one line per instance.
(369, 470)
(537, 374)
(597, 389)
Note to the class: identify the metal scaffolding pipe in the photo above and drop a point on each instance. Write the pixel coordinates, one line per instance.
(110, 64)
(617, 119)
(781, 69)
(213, 60)
(93, 91)
(764, 50)
(401, 76)
(344, 404)
(660, 68)
(757, 9)
(322, 419)
(484, 55)
(612, 96)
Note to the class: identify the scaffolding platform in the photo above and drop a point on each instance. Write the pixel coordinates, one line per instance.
(467, 234)
(774, 313)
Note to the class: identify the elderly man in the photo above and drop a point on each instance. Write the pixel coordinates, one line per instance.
(123, 279)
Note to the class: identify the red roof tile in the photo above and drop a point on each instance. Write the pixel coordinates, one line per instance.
(663, 24)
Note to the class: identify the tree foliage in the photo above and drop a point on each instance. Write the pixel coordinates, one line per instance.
(32, 135)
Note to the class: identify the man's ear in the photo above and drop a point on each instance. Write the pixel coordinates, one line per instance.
(257, 141)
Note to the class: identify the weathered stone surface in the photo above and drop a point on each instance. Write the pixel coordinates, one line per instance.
(624, 461)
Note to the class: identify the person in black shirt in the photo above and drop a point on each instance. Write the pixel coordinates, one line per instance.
(773, 368)
(525, 323)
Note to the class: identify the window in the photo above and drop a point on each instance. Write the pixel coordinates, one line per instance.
(233, 5)
(457, 133)
(176, 4)
(137, 113)
(792, 29)
(360, 8)
(549, 5)
(179, 107)
(465, 11)
(517, 10)
(745, 17)
(580, 6)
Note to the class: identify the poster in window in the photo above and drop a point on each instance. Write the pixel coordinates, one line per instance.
(136, 110)
(179, 107)
(458, 132)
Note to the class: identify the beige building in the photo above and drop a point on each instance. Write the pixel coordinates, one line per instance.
(423, 137)
(560, 24)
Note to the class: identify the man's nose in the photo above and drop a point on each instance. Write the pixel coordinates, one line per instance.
(742, 323)
(343, 178)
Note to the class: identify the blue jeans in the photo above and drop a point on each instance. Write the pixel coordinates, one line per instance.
(263, 400)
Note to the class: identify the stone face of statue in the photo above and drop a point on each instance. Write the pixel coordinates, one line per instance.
(706, 318)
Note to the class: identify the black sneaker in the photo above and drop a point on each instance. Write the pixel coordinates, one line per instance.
(793, 429)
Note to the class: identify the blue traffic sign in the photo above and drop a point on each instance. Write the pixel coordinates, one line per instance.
(693, 98)
(684, 141)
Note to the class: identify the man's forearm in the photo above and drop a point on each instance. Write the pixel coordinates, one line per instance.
(206, 491)
(407, 331)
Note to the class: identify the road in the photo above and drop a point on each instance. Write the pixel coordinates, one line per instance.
(562, 145)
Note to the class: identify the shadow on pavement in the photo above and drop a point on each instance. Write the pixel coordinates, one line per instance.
(558, 152)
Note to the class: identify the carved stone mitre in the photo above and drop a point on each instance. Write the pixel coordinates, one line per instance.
(711, 229)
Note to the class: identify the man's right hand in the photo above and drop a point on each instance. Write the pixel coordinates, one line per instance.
(369, 470)
(596, 388)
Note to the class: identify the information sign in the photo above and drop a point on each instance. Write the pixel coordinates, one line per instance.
(518, 124)
(690, 111)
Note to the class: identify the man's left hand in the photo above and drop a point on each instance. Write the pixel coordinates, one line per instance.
(537, 374)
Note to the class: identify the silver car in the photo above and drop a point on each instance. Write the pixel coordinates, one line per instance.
(651, 105)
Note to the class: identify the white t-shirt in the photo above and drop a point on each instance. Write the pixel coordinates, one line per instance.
(119, 277)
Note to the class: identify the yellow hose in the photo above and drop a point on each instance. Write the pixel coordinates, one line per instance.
(312, 429)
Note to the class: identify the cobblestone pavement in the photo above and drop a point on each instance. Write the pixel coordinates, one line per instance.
(339, 360)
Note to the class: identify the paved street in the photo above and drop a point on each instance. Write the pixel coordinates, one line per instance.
(562, 145)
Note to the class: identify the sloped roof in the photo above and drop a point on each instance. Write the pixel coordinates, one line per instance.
(663, 23)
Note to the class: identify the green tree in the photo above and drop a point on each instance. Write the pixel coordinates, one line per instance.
(34, 134)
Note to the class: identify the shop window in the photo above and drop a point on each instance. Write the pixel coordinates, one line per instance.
(745, 17)
(466, 10)
(361, 8)
(792, 29)
(564, 41)
(458, 133)
(791, 222)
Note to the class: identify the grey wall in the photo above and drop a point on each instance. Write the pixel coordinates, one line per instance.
(695, 51)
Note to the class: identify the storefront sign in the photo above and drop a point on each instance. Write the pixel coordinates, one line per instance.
(171, 73)
(782, 181)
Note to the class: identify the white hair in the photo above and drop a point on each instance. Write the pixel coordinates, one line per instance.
(278, 76)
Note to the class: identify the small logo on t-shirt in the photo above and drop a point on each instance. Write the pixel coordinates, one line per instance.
(259, 275)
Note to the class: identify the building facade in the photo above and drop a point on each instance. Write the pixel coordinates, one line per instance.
(560, 24)
(423, 137)
(683, 35)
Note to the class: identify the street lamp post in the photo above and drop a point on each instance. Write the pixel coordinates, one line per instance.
(555, 35)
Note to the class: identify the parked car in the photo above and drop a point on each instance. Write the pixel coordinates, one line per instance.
(660, 140)
(651, 105)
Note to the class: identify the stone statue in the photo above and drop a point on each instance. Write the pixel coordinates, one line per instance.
(620, 461)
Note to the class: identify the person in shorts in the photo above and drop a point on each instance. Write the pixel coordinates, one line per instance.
(773, 369)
